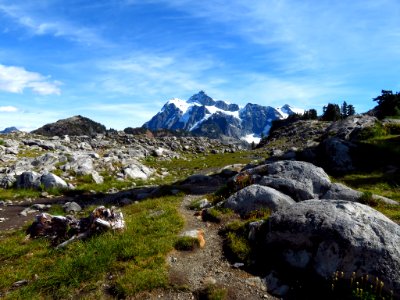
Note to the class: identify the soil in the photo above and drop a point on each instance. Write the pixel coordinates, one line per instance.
(190, 272)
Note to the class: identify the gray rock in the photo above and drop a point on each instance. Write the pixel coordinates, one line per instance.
(97, 178)
(72, 207)
(7, 181)
(51, 180)
(349, 128)
(198, 178)
(256, 197)
(275, 285)
(300, 180)
(41, 207)
(336, 154)
(204, 203)
(339, 191)
(325, 236)
(137, 171)
(28, 180)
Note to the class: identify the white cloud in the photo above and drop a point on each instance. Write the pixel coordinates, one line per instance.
(16, 80)
(8, 109)
(45, 25)
(152, 74)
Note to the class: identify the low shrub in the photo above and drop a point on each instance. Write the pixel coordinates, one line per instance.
(368, 199)
(373, 131)
(186, 243)
(213, 292)
(393, 128)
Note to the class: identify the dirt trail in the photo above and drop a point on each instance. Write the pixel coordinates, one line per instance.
(195, 269)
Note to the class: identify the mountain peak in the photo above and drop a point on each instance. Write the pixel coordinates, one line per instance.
(201, 98)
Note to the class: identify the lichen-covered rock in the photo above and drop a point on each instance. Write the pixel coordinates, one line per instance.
(51, 180)
(322, 237)
(349, 128)
(256, 197)
(298, 179)
(339, 191)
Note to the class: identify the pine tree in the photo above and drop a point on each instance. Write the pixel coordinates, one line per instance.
(350, 110)
(332, 113)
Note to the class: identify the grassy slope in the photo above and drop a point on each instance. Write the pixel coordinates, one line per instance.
(128, 262)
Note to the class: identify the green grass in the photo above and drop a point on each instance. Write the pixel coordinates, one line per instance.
(379, 183)
(213, 292)
(128, 262)
(187, 243)
(191, 164)
(85, 183)
(13, 193)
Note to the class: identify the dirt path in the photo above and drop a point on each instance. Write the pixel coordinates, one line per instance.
(195, 270)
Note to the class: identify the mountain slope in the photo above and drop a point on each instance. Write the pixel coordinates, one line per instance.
(9, 130)
(76, 125)
(202, 115)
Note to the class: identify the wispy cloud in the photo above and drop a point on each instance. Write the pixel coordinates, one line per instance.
(8, 109)
(153, 74)
(16, 80)
(44, 24)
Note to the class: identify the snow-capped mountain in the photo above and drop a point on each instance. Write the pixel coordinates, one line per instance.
(202, 115)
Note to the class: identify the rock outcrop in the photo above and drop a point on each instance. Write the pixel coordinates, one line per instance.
(322, 237)
(275, 185)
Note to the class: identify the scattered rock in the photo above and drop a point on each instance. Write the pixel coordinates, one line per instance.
(20, 283)
(72, 207)
(50, 181)
(64, 230)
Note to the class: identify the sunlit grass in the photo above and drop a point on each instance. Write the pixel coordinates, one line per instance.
(180, 168)
(127, 262)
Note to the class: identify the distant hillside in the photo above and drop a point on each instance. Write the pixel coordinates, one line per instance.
(73, 126)
(9, 130)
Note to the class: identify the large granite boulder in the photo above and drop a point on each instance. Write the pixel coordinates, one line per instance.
(256, 197)
(321, 237)
(298, 179)
(336, 155)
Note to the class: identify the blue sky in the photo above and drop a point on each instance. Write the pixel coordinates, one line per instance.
(118, 61)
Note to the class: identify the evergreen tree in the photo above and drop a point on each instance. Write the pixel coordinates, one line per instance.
(331, 113)
(388, 104)
(350, 110)
(310, 114)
